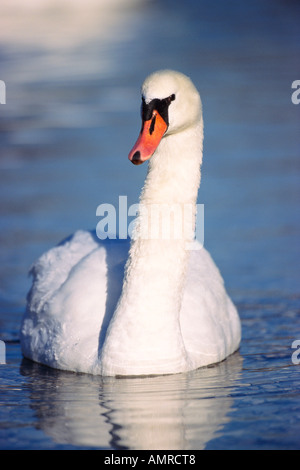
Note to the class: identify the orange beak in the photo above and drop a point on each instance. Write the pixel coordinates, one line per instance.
(150, 136)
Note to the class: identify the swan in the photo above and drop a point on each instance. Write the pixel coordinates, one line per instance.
(153, 306)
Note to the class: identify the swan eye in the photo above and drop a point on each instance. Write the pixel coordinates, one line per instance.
(171, 98)
(160, 105)
(168, 100)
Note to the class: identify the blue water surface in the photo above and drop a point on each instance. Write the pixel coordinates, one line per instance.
(73, 74)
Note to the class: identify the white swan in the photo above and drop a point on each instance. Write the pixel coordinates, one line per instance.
(171, 312)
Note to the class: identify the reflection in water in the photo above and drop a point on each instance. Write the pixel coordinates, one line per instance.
(182, 411)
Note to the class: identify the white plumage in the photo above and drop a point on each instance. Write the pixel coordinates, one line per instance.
(170, 313)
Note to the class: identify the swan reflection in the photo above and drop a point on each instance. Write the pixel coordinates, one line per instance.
(182, 411)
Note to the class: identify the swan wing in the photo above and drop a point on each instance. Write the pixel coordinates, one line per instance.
(75, 288)
(210, 323)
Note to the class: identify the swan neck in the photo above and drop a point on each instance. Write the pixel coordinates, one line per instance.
(174, 170)
(147, 315)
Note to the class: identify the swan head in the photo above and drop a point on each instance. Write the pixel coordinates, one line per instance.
(170, 104)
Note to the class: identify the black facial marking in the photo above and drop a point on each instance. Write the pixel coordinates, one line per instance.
(162, 106)
(151, 130)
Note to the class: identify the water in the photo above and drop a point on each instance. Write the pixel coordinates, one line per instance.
(72, 77)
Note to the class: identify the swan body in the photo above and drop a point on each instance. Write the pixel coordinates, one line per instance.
(156, 305)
